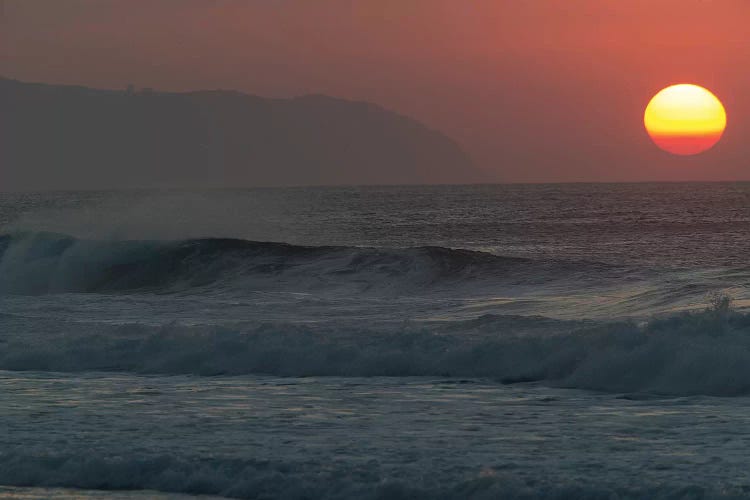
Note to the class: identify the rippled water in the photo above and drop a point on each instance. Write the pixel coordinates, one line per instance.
(553, 341)
(263, 437)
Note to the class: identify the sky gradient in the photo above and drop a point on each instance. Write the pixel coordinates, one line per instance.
(535, 91)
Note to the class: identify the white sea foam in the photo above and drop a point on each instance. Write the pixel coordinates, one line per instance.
(133, 355)
(699, 353)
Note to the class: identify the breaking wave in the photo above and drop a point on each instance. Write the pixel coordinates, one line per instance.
(699, 353)
(691, 353)
(38, 263)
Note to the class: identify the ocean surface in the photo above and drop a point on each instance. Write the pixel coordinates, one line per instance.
(451, 342)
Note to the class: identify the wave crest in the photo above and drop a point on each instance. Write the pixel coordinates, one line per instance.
(706, 353)
(36, 263)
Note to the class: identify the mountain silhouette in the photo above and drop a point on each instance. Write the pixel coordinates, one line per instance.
(54, 136)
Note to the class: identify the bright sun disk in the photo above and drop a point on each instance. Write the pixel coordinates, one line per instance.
(685, 119)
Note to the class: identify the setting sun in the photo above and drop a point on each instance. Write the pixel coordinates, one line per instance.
(685, 119)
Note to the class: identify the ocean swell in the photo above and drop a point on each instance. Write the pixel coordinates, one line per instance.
(40, 263)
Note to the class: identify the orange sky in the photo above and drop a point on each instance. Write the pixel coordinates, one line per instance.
(535, 90)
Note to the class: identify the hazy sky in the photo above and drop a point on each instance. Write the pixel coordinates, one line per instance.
(534, 90)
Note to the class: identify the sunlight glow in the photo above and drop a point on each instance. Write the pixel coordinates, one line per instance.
(685, 119)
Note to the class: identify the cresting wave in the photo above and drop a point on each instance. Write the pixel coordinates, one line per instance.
(38, 263)
(694, 353)
(704, 353)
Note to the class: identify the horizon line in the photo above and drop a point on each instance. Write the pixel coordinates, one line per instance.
(365, 186)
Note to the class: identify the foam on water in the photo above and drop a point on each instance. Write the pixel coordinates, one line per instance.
(680, 353)
(692, 353)
(561, 335)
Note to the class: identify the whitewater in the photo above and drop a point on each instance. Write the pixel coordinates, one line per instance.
(529, 341)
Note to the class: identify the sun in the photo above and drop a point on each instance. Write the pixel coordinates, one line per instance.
(685, 119)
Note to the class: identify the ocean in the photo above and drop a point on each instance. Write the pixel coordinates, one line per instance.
(587, 341)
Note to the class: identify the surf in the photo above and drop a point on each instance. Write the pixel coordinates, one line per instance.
(40, 263)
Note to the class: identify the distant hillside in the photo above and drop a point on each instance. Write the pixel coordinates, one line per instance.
(55, 136)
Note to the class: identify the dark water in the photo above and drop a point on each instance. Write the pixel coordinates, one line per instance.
(555, 341)
(698, 225)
